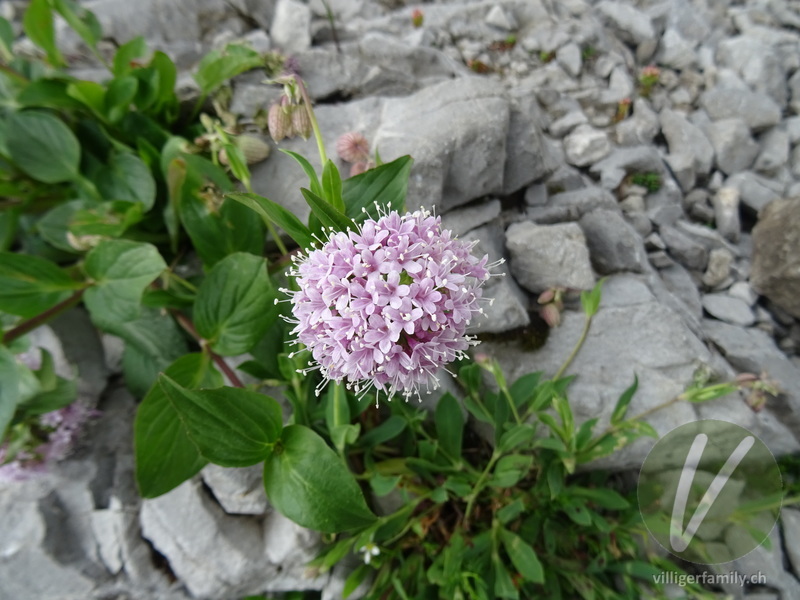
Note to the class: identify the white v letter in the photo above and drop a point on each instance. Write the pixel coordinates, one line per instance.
(678, 538)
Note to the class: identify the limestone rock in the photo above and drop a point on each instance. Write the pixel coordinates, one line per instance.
(776, 255)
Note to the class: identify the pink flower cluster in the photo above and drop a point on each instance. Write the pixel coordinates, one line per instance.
(387, 306)
(61, 430)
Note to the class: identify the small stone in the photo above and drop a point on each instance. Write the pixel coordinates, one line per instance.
(660, 259)
(629, 23)
(545, 256)
(569, 57)
(586, 145)
(654, 242)
(675, 52)
(686, 251)
(536, 195)
(733, 145)
(498, 17)
(640, 128)
(726, 213)
(614, 245)
(774, 151)
(729, 309)
(572, 205)
(239, 491)
(790, 520)
(719, 267)
(743, 291)
(755, 192)
(561, 127)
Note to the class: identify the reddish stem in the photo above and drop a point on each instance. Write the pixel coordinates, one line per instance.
(184, 322)
(41, 319)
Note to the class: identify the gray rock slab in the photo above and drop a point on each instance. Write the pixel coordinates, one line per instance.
(776, 255)
(640, 128)
(623, 161)
(613, 244)
(456, 132)
(690, 253)
(633, 333)
(683, 137)
(291, 26)
(628, 22)
(462, 220)
(774, 151)
(753, 351)
(757, 109)
(755, 191)
(734, 147)
(545, 256)
(757, 64)
(729, 309)
(239, 491)
(571, 205)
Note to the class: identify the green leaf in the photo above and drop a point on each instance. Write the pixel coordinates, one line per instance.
(38, 26)
(120, 95)
(91, 94)
(231, 427)
(9, 388)
(54, 392)
(121, 270)
(238, 163)
(523, 389)
(108, 219)
(152, 342)
(48, 93)
(522, 556)
(327, 214)
(605, 497)
(308, 483)
(127, 53)
(176, 178)
(43, 146)
(165, 456)
(126, 177)
(511, 469)
(621, 407)
(216, 228)
(590, 300)
(167, 78)
(81, 20)
(235, 304)
(6, 40)
(388, 430)
(220, 65)
(449, 425)
(511, 511)
(272, 211)
(578, 512)
(29, 285)
(515, 437)
(332, 186)
(313, 181)
(355, 579)
(503, 584)
(387, 185)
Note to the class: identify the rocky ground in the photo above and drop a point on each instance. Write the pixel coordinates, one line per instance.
(511, 110)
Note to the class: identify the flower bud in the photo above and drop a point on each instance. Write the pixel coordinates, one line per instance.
(254, 149)
(417, 17)
(551, 315)
(301, 123)
(279, 122)
(352, 147)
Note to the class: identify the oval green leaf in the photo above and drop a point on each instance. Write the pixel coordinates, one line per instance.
(309, 484)
(43, 146)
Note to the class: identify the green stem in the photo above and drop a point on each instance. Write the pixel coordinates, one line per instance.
(479, 487)
(41, 319)
(575, 350)
(314, 125)
(270, 227)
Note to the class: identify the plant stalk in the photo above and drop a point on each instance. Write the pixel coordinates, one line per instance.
(40, 319)
(575, 350)
(323, 157)
(189, 327)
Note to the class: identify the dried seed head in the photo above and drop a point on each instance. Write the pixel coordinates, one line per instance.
(301, 123)
(353, 147)
(254, 149)
(279, 122)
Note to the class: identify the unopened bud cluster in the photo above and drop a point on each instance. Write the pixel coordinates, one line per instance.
(352, 147)
(552, 302)
(287, 119)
